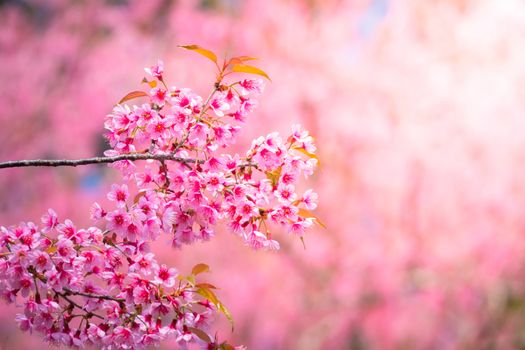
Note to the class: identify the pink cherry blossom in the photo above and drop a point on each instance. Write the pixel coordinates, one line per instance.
(157, 70)
(251, 86)
(119, 194)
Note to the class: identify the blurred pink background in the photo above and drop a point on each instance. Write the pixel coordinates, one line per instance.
(418, 109)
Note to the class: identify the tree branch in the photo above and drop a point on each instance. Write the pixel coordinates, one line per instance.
(94, 296)
(94, 160)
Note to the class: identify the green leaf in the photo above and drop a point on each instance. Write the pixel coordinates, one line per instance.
(274, 176)
(305, 213)
(132, 95)
(208, 294)
(191, 280)
(200, 268)
(226, 346)
(244, 68)
(206, 53)
(226, 313)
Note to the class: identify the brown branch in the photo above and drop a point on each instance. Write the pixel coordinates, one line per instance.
(94, 296)
(94, 160)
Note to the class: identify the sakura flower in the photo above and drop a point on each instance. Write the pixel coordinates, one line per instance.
(158, 96)
(145, 178)
(146, 114)
(246, 210)
(300, 226)
(157, 70)
(198, 135)
(165, 276)
(67, 230)
(251, 86)
(50, 220)
(247, 105)
(232, 98)
(119, 194)
(65, 249)
(120, 119)
(309, 166)
(41, 261)
(258, 240)
(144, 264)
(93, 260)
(215, 182)
(25, 284)
(288, 177)
(309, 199)
(118, 220)
(124, 337)
(222, 135)
(302, 138)
(24, 322)
(141, 295)
(219, 104)
(285, 193)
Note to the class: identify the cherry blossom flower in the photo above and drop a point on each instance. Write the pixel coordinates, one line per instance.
(251, 86)
(157, 70)
(165, 276)
(119, 194)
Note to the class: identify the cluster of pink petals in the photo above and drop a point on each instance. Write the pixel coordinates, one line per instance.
(102, 286)
(185, 198)
(84, 287)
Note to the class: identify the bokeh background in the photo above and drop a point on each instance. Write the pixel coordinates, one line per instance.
(418, 109)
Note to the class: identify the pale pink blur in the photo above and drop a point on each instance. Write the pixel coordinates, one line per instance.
(418, 110)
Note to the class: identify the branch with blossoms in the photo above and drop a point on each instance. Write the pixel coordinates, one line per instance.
(102, 285)
(93, 160)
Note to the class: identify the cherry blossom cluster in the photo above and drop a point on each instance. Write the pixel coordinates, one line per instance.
(187, 196)
(103, 286)
(86, 287)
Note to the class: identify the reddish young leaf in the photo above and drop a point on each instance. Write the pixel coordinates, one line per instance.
(138, 196)
(132, 95)
(205, 285)
(201, 334)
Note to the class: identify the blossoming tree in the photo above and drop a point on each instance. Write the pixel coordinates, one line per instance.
(103, 285)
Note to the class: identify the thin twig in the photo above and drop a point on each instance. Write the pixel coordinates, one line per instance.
(201, 114)
(94, 160)
(77, 305)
